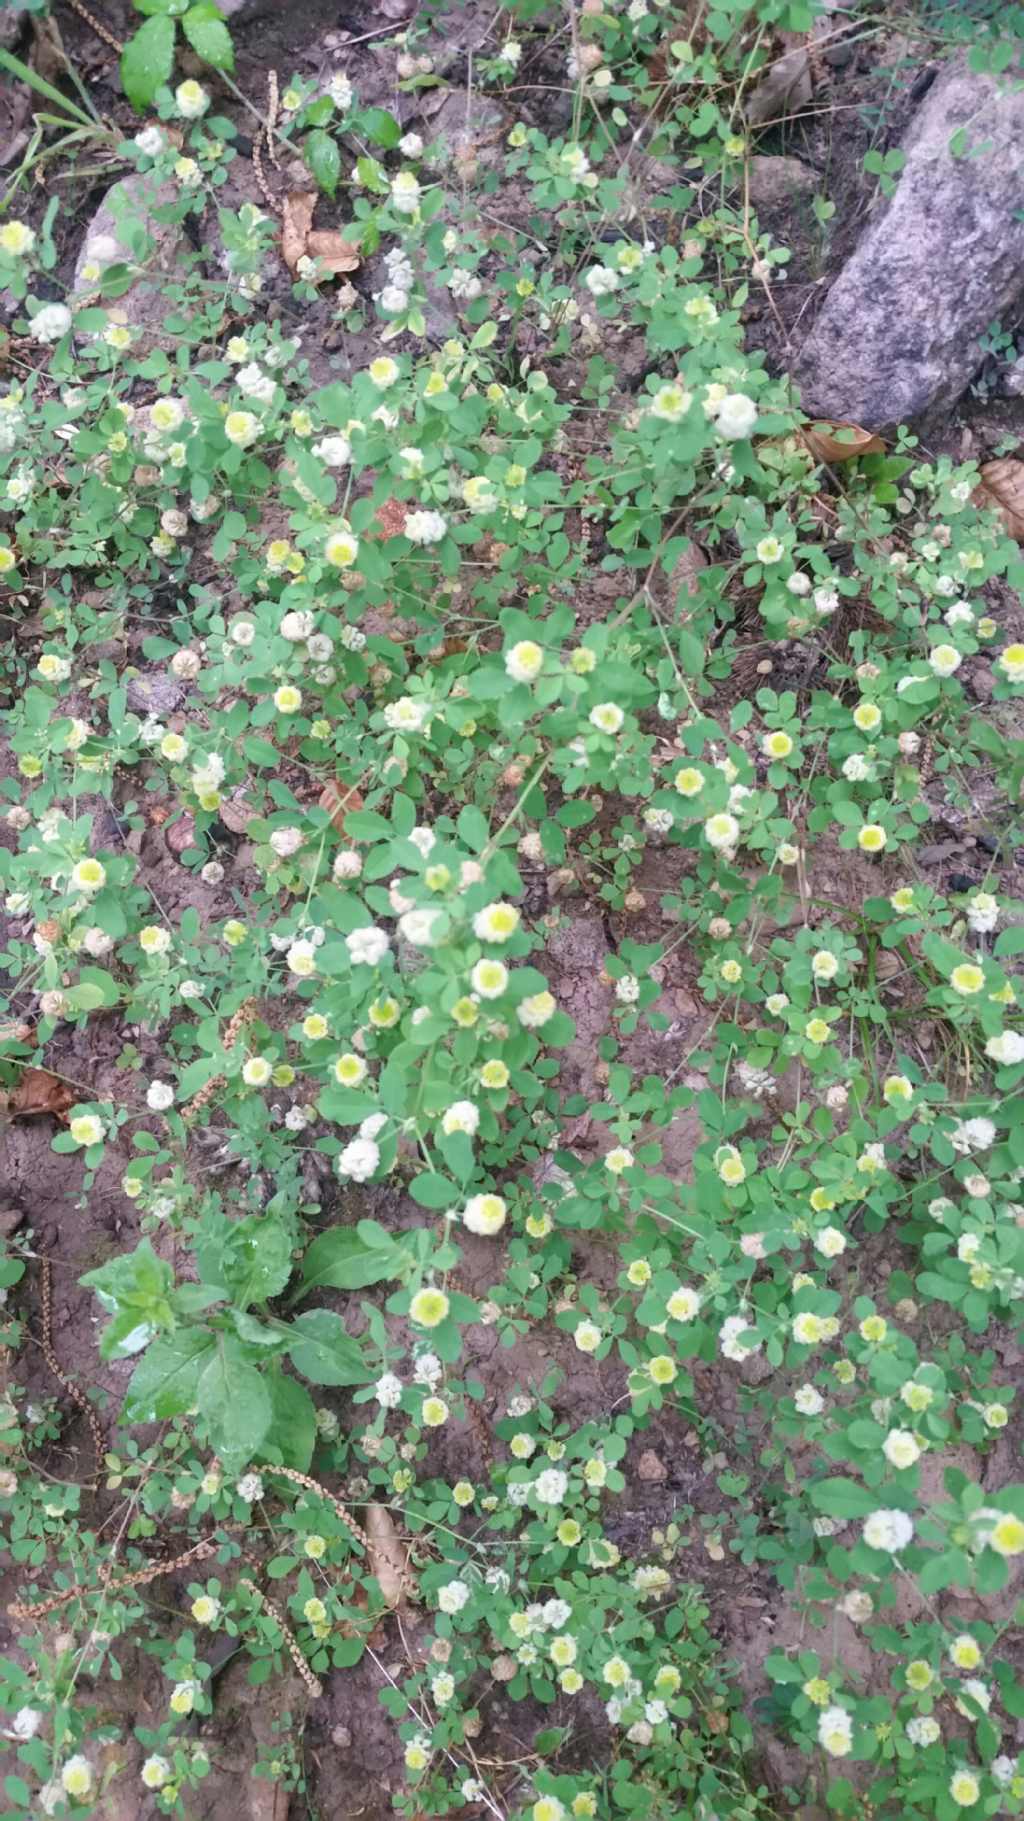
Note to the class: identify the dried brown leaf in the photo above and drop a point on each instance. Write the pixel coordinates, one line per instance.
(830, 442)
(386, 1555)
(297, 210)
(338, 799)
(299, 238)
(332, 252)
(1001, 487)
(40, 1092)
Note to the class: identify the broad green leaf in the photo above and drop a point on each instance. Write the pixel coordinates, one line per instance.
(843, 1498)
(324, 160)
(381, 127)
(234, 1404)
(339, 1260)
(1010, 941)
(433, 1191)
(209, 36)
(473, 828)
(291, 1437)
(147, 61)
(164, 1383)
(323, 1351)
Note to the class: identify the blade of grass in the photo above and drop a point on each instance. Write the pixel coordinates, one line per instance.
(22, 73)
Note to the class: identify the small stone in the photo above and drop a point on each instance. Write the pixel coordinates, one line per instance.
(651, 1467)
(774, 181)
(180, 835)
(10, 1221)
(126, 208)
(340, 1735)
(154, 692)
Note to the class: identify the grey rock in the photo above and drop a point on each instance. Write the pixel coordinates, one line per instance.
(127, 207)
(154, 692)
(12, 19)
(900, 331)
(774, 181)
(1013, 380)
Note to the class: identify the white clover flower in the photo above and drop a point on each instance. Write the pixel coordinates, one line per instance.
(159, 1096)
(735, 416)
(923, 1729)
(982, 913)
(453, 1597)
(901, 1448)
(462, 1116)
(191, 100)
(407, 715)
(890, 1531)
(809, 1400)
(334, 451)
(405, 193)
(77, 1777)
(550, 1486)
(722, 832)
(367, 947)
(50, 323)
(425, 527)
(301, 959)
(241, 428)
(729, 1342)
(424, 928)
(359, 1160)
(835, 1731)
(1007, 1048)
(945, 660)
(388, 1391)
(671, 402)
(484, 1215)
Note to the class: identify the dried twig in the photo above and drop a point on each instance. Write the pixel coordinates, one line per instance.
(76, 1395)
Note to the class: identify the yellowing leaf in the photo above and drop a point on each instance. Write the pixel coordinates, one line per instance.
(1001, 486)
(840, 442)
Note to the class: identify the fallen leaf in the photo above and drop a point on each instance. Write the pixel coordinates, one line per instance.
(332, 252)
(386, 1555)
(40, 1092)
(300, 240)
(840, 442)
(1001, 487)
(787, 84)
(297, 209)
(236, 811)
(338, 799)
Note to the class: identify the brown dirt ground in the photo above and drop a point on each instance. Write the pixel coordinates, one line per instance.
(349, 1746)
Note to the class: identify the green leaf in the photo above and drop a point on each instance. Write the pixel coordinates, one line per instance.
(234, 1404)
(472, 825)
(340, 1260)
(291, 1437)
(324, 160)
(147, 61)
(843, 1498)
(1010, 941)
(253, 1257)
(209, 36)
(164, 1383)
(433, 1191)
(381, 127)
(325, 1352)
